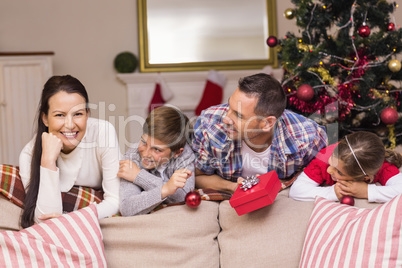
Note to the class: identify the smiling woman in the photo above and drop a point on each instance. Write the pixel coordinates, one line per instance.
(180, 35)
(69, 149)
(66, 121)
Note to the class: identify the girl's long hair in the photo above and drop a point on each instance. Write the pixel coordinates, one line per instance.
(55, 84)
(369, 151)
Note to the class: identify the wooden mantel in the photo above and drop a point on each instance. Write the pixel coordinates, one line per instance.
(187, 89)
(35, 53)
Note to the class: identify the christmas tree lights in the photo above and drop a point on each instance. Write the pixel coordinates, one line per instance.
(345, 63)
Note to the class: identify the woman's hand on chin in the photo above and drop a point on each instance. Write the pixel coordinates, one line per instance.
(49, 216)
(51, 148)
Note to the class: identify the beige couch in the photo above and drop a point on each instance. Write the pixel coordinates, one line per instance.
(212, 235)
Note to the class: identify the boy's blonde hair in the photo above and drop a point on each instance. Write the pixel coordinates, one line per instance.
(369, 151)
(170, 126)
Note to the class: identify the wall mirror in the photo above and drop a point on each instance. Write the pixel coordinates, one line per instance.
(195, 35)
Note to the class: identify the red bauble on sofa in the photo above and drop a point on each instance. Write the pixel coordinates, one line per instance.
(348, 200)
(193, 199)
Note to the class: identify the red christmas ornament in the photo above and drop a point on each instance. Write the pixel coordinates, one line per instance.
(389, 116)
(347, 200)
(272, 41)
(193, 199)
(305, 92)
(390, 27)
(364, 31)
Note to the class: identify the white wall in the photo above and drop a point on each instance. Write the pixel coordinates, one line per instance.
(86, 35)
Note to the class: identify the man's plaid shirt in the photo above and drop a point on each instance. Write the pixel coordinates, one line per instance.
(296, 141)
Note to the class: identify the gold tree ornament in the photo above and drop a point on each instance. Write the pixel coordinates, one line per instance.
(391, 137)
(324, 73)
(289, 13)
(394, 66)
(304, 47)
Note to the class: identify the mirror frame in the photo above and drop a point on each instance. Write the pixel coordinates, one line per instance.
(145, 66)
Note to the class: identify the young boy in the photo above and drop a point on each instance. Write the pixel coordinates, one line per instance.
(160, 168)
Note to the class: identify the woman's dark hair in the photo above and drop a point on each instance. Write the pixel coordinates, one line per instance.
(170, 126)
(55, 84)
(268, 90)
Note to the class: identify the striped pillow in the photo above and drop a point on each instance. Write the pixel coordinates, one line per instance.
(345, 236)
(72, 240)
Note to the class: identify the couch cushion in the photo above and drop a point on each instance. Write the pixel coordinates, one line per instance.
(272, 236)
(344, 236)
(176, 236)
(9, 215)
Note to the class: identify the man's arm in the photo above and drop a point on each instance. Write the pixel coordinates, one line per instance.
(203, 181)
(319, 142)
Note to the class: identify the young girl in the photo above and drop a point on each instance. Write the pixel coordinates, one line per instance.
(160, 169)
(357, 166)
(69, 149)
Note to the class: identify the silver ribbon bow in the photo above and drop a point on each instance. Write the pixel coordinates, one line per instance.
(249, 182)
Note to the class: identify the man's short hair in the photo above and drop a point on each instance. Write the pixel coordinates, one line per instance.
(268, 90)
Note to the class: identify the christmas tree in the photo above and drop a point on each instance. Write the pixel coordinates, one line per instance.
(342, 70)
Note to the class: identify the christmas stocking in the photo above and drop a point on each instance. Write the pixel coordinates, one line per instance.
(213, 91)
(162, 94)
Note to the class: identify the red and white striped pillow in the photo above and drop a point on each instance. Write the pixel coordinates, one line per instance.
(73, 240)
(345, 236)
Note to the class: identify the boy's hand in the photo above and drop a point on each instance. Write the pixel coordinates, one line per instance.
(358, 189)
(128, 170)
(176, 181)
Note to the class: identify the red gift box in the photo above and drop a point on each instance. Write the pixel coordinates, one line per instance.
(260, 195)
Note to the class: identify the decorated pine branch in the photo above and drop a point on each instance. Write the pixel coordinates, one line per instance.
(344, 61)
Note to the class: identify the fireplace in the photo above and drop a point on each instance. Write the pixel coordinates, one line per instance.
(187, 88)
